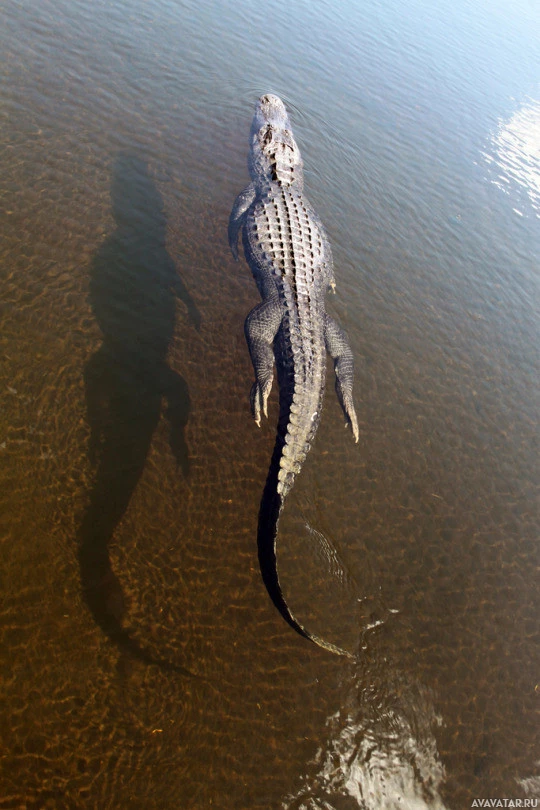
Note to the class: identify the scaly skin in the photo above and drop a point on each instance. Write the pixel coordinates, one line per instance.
(289, 255)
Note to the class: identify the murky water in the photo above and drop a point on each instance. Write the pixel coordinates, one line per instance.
(143, 664)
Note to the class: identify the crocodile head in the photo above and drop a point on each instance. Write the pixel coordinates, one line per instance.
(274, 155)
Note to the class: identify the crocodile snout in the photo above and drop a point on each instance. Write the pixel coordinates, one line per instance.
(273, 110)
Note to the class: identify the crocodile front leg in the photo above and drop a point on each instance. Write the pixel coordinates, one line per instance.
(260, 328)
(337, 346)
(238, 213)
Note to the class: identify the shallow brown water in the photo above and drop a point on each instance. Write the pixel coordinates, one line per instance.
(143, 665)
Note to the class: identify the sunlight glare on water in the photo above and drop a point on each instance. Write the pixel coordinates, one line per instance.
(515, 154)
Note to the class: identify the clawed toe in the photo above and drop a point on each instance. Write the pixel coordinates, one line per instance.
(259, 400)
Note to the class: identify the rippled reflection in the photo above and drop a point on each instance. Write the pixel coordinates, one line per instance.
(381, 752)
(516, 153)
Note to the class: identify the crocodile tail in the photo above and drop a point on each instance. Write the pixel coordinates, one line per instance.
(270, 510)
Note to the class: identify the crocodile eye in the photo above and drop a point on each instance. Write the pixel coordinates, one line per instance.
(267, 137)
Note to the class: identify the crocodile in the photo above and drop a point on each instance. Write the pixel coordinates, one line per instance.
(289, 255)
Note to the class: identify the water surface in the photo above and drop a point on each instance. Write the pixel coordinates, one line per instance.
(144, 665)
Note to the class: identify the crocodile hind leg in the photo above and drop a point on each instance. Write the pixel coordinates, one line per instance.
(337, 346)
(260, 328)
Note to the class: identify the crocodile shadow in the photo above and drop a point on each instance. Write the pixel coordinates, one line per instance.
(133, 290)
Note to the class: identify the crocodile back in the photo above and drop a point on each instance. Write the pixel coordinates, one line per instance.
(289, 256)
